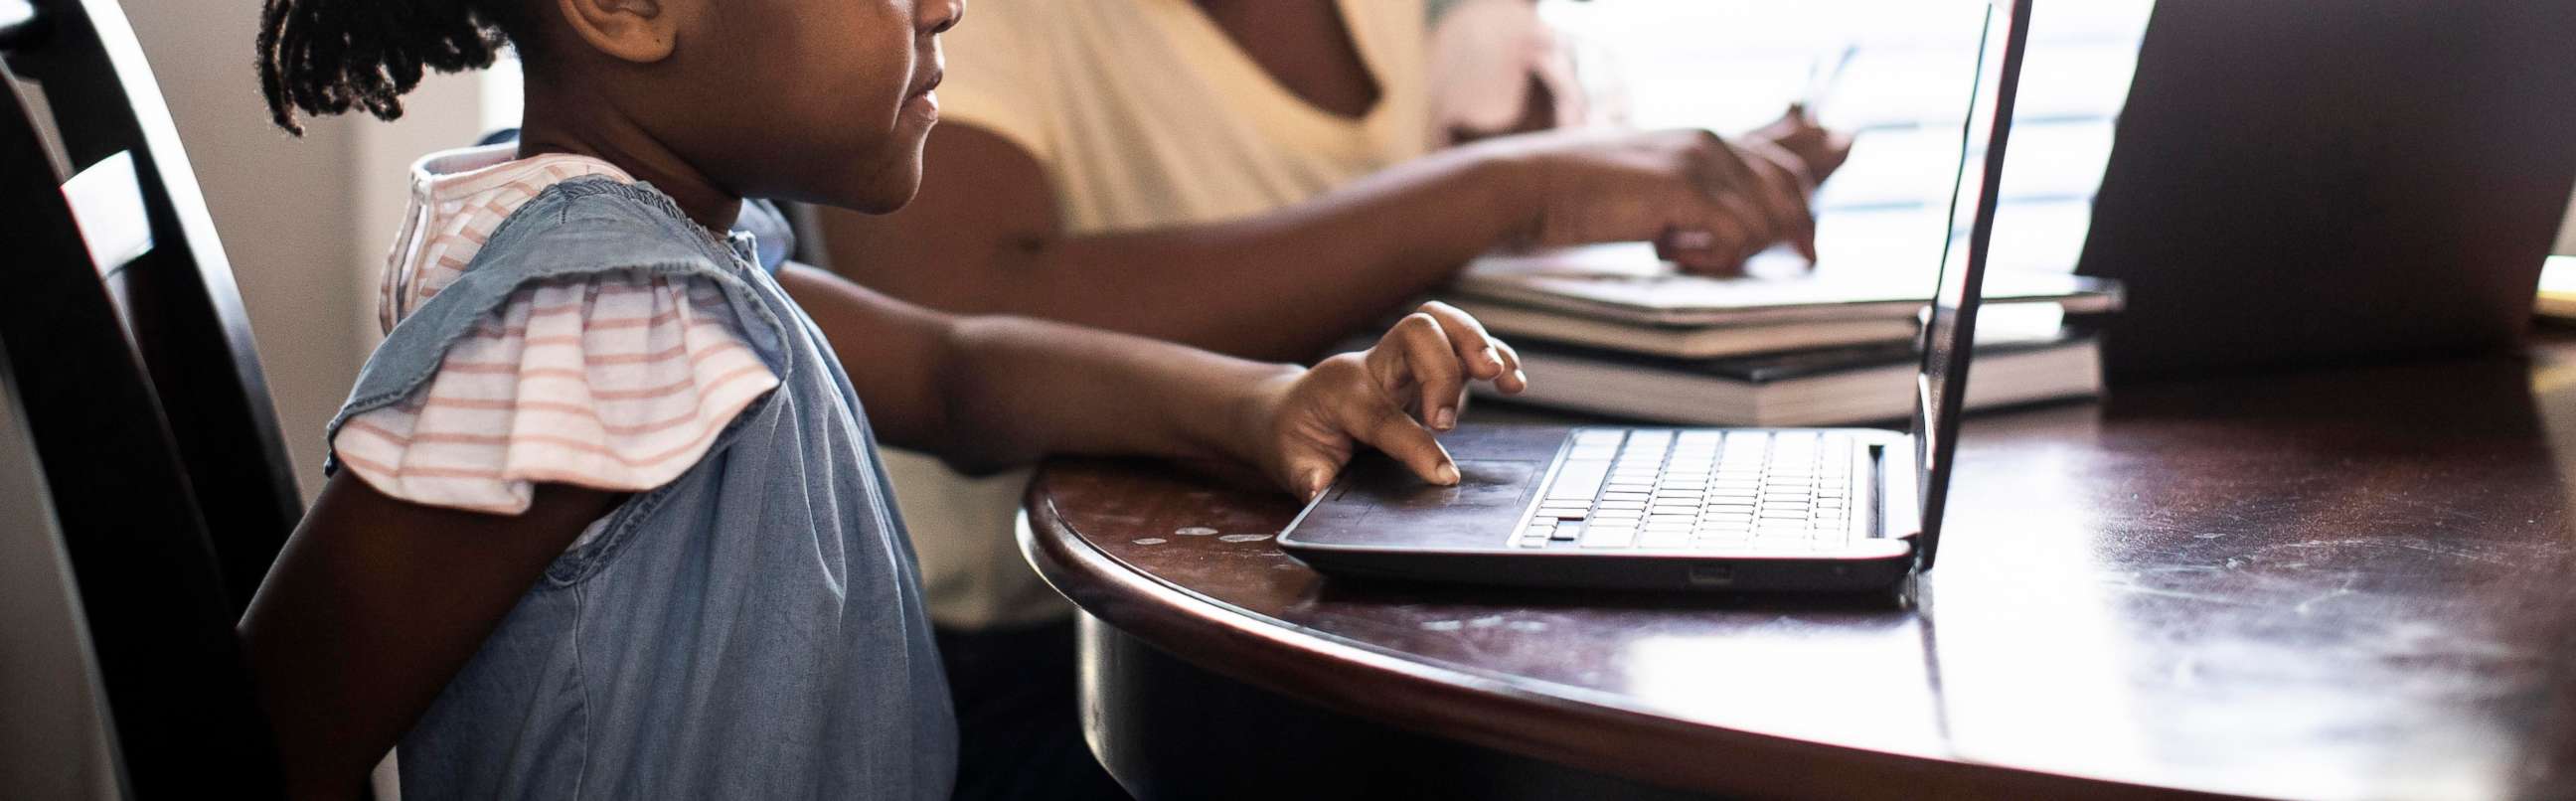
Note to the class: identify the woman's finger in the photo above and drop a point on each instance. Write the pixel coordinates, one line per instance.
(1733, 224)
(1784, 194)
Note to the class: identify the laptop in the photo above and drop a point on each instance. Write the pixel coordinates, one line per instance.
(1717, 509)
(2289, 188)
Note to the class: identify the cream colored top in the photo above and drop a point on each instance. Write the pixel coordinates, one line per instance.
(1143, 114)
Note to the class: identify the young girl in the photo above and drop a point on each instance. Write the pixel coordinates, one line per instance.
(603, 515)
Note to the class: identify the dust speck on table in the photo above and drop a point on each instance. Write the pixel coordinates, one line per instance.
(1194, 531)
(1243, 538)
(1151, 541)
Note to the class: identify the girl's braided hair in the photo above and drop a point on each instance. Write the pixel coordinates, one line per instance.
(330, 56)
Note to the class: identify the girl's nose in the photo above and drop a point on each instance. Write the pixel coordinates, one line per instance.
(937, 16)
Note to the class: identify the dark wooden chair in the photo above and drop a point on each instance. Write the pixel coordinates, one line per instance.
(176, 300)
(124, 340)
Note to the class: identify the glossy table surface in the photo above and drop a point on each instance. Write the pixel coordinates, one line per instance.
(2355, 582)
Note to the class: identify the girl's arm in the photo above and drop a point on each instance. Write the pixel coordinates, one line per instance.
(991, 392)
(374, 604)
(984, 235)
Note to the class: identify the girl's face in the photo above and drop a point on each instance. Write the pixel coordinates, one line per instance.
(823, 101)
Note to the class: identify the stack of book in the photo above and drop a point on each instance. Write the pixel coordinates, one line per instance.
(1606, 330)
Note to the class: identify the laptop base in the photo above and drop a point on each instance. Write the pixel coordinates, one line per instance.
(1380, 522)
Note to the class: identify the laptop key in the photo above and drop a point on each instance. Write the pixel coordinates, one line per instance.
(1566, 531)
(1609, 538)
(1598, 436)
(1578, 480)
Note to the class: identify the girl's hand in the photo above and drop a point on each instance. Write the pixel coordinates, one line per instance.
(1390, 397)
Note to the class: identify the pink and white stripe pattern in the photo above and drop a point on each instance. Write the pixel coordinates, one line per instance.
(617, 382)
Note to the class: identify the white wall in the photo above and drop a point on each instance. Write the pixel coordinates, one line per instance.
(281, 205)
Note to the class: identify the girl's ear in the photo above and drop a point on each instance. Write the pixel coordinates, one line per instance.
(640, 31)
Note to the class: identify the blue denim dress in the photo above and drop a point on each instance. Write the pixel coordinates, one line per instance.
(754, 629)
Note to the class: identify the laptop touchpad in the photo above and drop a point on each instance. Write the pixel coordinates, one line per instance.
(1383, 503)
(1481, 483)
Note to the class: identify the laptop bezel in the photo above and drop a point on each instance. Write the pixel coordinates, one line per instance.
(1941, 381)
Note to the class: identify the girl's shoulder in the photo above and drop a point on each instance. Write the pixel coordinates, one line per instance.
(551, 321)
(595, 224)
(488, 216)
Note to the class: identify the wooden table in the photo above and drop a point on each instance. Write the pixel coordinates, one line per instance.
(2342, 583)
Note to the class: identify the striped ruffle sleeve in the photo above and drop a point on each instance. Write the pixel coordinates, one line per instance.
(617, 382)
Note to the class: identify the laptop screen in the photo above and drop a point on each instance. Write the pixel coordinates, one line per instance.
(1942, 385)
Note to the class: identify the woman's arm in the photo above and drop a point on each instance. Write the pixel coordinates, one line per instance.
(983, 235)
(374, 604)
(991, 392)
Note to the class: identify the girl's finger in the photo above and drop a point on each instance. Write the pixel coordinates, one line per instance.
(1474, 345)
(1310, 472)
(1387, 429)
(1418, 351)
(1513, 380)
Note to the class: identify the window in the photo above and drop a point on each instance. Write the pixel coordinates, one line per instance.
(1902, 89)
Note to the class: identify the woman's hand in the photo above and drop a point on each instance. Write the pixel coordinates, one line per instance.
(1817, 151)
(1706, 203)
(1391, 397)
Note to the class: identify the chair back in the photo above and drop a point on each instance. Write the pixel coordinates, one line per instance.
(123, 341)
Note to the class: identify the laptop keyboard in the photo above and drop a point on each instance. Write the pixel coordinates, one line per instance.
(1768, 491)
